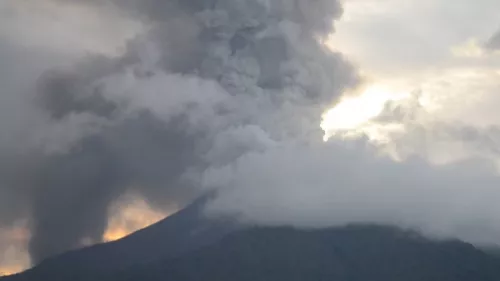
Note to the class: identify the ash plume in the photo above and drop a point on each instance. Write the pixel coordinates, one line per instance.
(223, 95)
(209, 81)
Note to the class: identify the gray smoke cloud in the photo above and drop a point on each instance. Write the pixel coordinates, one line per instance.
(444, 183)
(494, 42)
(208, 82)
(223, 95)
(352, 184)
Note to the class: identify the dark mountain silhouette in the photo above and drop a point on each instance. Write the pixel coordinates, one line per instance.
(355, 253)
(189, 247)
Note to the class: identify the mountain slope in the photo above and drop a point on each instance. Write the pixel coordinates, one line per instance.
(176, 235)
(188, 247)
(344, 254)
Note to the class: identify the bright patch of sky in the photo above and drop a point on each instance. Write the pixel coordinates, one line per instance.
(432, 51)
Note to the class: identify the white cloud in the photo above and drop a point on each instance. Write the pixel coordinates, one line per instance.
(436, 49)
(394, 37)
(340, 183)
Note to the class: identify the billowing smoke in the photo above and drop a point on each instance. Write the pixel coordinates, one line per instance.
(214, 94)
(208, 82)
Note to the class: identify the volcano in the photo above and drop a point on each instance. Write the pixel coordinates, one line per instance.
(188, 246)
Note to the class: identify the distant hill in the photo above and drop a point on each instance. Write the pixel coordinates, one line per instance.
(187, 247)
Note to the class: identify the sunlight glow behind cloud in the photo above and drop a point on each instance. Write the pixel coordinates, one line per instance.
(129, 215)
(353, 114)
(13, 255)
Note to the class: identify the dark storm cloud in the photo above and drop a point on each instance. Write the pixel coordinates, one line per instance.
(209, 81)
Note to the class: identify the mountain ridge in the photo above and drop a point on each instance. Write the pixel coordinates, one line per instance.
(175, 249)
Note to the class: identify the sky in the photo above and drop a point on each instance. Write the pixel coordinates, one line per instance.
(438, 50)
(118, 113)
